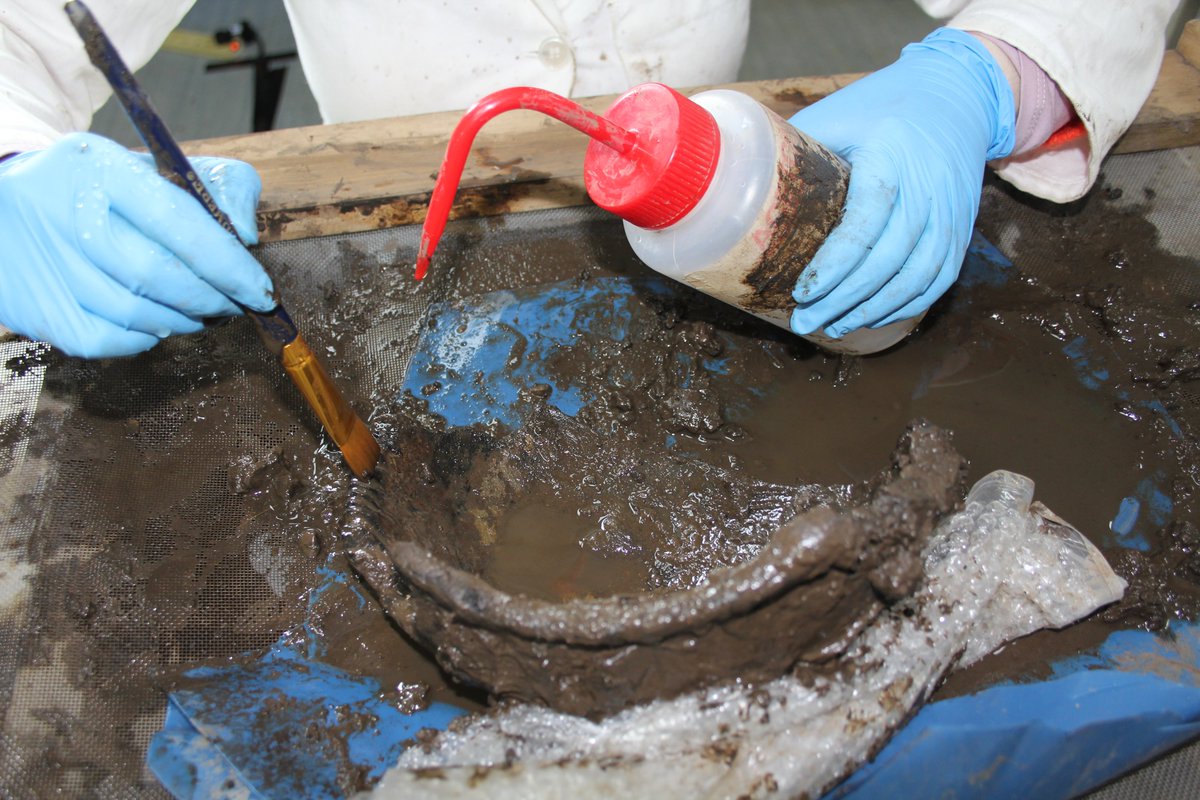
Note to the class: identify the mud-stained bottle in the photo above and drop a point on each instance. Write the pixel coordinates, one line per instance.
(738, 209)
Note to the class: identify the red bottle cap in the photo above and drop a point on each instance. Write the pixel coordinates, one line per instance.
(650, 160)
(663, 179)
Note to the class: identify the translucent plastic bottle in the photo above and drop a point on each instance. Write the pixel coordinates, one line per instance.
(717, 191)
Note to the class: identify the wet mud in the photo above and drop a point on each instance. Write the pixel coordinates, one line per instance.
(190, 508)
(1098, 287)
(690, 600)
(812, 193)
(1073, 377)
(180, 509)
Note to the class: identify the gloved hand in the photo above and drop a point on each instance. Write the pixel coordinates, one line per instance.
(916, 135)
(104, 257)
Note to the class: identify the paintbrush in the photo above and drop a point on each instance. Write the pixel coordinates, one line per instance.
(276, 328)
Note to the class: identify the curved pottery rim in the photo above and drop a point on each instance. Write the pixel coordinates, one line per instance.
(800, 551)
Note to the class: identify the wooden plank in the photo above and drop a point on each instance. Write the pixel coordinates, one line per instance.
(1188, 45)
(331, 179)
(1170, 116)
(327, 179)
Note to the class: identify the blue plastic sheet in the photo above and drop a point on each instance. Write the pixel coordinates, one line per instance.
(1099, 714)
(285, 726)
(470, 347)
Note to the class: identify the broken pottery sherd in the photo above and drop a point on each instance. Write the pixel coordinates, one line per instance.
(802, 598)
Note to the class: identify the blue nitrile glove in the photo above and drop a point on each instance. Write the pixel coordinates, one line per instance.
(916, 135)
(102, 256)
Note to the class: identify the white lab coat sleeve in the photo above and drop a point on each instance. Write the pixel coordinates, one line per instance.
(47, 85)
(385, 58)
(1103, 54)
(942, 8)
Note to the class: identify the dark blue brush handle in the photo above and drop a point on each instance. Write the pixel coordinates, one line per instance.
(275, 325)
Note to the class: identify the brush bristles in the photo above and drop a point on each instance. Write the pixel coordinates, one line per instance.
(360, 449)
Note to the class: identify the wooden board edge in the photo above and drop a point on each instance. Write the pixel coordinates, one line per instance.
(1188, 45)
(1170, 118)
(283, 224)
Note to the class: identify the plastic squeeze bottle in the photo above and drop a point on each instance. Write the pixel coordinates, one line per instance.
(716, 191)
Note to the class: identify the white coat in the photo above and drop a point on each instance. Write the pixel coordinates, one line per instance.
(378, 58)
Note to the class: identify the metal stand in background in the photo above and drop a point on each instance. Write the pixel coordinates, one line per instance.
(270, 69)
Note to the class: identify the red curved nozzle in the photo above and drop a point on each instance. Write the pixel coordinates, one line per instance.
(517, 97)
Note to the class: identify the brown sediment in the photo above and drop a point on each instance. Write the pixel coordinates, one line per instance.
(800, 595)
(1095, 275)
(812, 192)
(999, 377)
(37, 356)
(583, 563)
